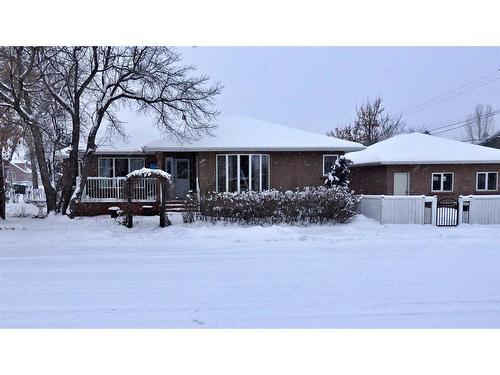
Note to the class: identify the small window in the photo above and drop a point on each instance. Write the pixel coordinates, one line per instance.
(442, 181)
(328, 163)
(486, 181)
(121, 167)
(136, 163)
(106, 167)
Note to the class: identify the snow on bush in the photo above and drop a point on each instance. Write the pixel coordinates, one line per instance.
(339, 175)
(308, 205)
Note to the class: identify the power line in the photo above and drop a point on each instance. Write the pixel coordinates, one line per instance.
(449, 95)
(461, 120)
(461, 124)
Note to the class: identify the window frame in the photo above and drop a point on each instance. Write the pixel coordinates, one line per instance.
(113, 164)
(486, 181)
(442, 182)
(323, 168)
(250, 177)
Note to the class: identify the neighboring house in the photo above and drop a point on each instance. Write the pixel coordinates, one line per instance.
(493, 141)
(17, 172)
(420, 164)
(244, 154)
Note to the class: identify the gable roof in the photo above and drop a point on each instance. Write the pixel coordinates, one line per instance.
(417, 148)
(248, 134)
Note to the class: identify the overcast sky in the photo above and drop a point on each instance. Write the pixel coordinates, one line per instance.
(319, 88)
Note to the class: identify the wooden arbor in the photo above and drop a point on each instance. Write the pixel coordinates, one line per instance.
(163, 182)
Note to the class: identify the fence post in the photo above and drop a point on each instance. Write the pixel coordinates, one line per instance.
(382, 215)
(434, 210)
(460, 209)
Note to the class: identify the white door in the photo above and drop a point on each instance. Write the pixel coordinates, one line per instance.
(181, 178)
(401, 183)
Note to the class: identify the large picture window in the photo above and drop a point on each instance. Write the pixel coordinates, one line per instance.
(487, 181)
(119, 167)
(242, 172)
(442, 181)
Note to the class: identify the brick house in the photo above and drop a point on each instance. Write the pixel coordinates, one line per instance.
(243, 154)
(17, 172)
(420, 164)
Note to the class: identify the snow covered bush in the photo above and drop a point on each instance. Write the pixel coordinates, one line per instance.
(308, 205)
(339, 175)
(190, 208)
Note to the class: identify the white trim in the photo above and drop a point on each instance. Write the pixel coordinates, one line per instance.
(486, 181)
(441, 188)
(323, 168)
(226, 158)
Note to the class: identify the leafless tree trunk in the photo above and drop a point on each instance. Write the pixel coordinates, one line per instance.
(480, 124)
(67, 74)
(19, 83)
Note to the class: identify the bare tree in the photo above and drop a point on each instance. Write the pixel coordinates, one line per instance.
(371, 125)
(67, 74)
(480, 124)
(10, 135)
(152, 80)
(19, 90)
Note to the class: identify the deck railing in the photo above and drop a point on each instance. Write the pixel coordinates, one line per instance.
(109, 189)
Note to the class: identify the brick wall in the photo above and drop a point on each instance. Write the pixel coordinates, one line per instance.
(288, 170)
(380, 179)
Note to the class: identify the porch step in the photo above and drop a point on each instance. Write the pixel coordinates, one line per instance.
(178, 206)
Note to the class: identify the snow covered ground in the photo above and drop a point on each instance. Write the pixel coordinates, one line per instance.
(92, 272)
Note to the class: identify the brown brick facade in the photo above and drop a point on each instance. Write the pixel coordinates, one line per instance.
(288, 170)
(380, 179)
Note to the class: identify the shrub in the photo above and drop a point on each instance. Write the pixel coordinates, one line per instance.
(309, 205)
(190, 207)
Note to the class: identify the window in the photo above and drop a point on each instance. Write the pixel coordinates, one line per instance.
(242, 172)
(119, 167)
(442, 181)
(486, 181)
(328, 163)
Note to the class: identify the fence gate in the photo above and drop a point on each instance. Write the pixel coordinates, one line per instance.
(447, 213)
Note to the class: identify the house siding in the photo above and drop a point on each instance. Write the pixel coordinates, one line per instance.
(380, 179)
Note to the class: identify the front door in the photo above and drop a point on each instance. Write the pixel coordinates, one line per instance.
(179, 170)
(401, 183)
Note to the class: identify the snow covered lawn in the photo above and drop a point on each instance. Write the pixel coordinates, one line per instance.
(91, 272)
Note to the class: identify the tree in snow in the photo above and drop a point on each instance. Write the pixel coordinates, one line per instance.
(10, 136)
(339, 175)
(153, 81)
(371, 125)
(20, 87)
(480, 124)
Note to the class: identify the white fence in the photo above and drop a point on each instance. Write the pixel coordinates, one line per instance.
(104, 189)
(390, 209)
(479, 209)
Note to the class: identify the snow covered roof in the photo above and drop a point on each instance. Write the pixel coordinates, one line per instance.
(248, 134)
(417, 148)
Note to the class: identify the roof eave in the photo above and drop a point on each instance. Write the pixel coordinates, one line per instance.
(426, 162)
(216, 149)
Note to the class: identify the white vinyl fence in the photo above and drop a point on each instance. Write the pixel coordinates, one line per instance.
(479, 209)
(394, 209)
